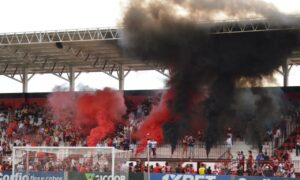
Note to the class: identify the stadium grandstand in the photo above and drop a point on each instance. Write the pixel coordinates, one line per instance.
(26, 120)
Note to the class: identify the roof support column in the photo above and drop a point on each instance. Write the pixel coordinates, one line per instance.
(285, 70)
(121, 77)
(25, 79)
(71, 78)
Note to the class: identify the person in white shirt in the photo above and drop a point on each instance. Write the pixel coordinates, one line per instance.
(229, 146)
(152, 145)
(277, 137)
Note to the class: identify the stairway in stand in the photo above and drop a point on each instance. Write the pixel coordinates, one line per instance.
(242, 146)
(239, 146)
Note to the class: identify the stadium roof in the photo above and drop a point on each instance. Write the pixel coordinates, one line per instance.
(90, 50)
(96, 50)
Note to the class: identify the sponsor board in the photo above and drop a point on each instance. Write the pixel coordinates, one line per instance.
(159, 176)
(95, 176)
(32, 176)
(261, 178)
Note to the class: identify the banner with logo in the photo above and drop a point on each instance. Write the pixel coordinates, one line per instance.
(159, 176)
(261, 178)
(32, 176)
(97, 176)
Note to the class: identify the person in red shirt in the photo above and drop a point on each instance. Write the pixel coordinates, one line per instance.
(48, 141)
(109, 142)
(250, 160)
(157, 168)
(83, 168)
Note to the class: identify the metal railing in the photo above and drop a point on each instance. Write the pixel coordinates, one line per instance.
(181, 151)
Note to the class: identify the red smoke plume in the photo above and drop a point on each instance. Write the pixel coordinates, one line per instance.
(104, 108)
(152, 126)
(63, 107)
(92, 113)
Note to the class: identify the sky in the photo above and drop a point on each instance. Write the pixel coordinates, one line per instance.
(42, 15)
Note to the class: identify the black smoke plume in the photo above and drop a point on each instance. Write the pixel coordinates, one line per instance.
(172, 33)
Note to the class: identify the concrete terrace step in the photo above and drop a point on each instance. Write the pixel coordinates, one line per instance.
(242, 146)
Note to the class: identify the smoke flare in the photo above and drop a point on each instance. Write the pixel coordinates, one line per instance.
(170, 33)
(91, 113)
(105, 108)
(151, 128)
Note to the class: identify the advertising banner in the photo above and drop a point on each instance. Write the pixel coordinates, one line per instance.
(96, 176)
(159, 176)
(32, 176)
(261, 178)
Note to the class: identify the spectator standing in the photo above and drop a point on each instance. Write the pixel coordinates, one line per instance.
(229, 146)
(191, 143)
(208, 170)
(241, 159)
(153, 145)
(250, 160)
(184, 146)
(189, 169)
(138, 166)
(277, 137)
(217, 170)
(298, 145)
(269, 136)
(201, 170)
(167, 168)
(260, 159)
(200, 136)
(178, 169)
(157, 168)
(130, 167)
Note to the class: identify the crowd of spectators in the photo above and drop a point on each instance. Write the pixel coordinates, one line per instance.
(32, 125)
(278, 165)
